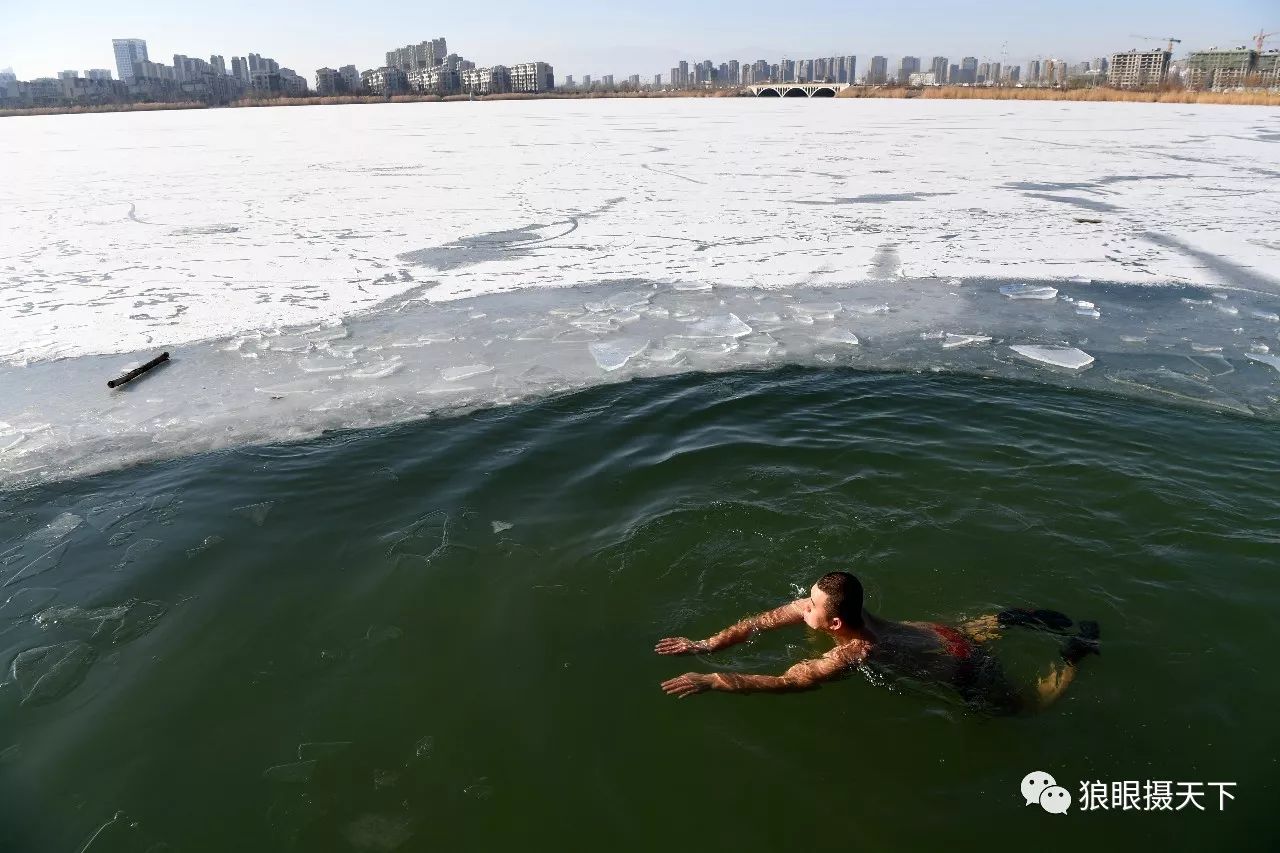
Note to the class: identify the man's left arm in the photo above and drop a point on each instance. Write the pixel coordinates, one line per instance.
(806, 675)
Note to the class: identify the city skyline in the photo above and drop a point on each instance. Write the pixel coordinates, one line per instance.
(38, 42)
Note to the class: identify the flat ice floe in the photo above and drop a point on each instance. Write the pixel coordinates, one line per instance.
(360, 270)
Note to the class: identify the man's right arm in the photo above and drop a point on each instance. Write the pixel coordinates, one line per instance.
(791, 613)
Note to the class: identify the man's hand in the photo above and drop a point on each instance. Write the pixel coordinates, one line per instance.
(687, 684)
(680, 646)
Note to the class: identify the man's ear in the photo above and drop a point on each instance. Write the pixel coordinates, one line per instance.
(836, 623)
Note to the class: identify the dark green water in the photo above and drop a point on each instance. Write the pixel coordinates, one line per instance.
(332, 646)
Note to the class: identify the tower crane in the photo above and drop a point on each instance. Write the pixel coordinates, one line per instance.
(1172, 41)
(1261, 37)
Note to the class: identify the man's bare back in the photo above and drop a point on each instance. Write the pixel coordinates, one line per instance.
(924, 651)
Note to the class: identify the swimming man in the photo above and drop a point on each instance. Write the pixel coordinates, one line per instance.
(927, 651)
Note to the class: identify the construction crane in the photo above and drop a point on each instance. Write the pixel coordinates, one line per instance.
(1172, 41)
(1261, 37)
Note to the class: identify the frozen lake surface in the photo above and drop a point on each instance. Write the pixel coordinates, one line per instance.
(333, 267)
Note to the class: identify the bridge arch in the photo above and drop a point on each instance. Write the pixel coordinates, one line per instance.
(768, 92)
(795, 92)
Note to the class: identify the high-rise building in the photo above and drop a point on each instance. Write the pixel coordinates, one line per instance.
(1220, 69)
(128, 52)
(995, 74)
(97, 74)
(969, 70)
(350, 78)
(1138, 68)
(218, 64)
(804, 71)
(682, 81)
(1033, 71)
(787, 70)
(939, 68)
(953, 74)
(533, 77)
(908, 66)
(1049, 71)
(878, 74)
(1015, 74)
(734, 76)
(984, 72)
(657, 81)
(427, 54)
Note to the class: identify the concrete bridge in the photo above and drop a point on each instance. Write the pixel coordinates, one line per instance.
(796, 90)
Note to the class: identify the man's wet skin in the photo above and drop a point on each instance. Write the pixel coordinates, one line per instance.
(925, 651)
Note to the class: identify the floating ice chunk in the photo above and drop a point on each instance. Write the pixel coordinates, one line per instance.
(613, 354)
(289, 343)
(839, 336)
(1081, 279)
(1219, 295)
(622, 318)
(955, 282)
(662, 355)
(46, 561)
(257, 513)
(466, 371)
(821, 309)
(1028, 291)
(1066, 357)
(27, 601)
(721, 326)
(316, 750)
(869, 310)
(766, 317)
(576, 336)
(138, 549)
(1080, 303)
(383, 633)
(952, 341)
(1269, 316)
(377, 370)
(108, 515)
(1191, 301)
(48, 673)
(332, 332)
(628, 299)
(1259, 347)
(324, 364)
(55, 530)
(296, 772)
(1228, 309)
(1088, 312)
(499, 526)
(1205, 348)
(1134, 339)
(540, 333)
(1272, 360)
(207, 543)
(692, 285)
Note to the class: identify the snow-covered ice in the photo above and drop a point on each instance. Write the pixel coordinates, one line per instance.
(327, 267)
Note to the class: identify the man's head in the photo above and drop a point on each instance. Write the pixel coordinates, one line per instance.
(835, 602)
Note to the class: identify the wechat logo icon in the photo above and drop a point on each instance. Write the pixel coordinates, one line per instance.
(1040, 787)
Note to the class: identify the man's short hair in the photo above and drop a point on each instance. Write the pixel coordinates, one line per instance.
(845, 592)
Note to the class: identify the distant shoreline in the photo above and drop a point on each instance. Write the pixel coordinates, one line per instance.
(1097, 94)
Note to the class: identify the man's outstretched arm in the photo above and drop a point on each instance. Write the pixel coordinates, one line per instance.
(805, 675)
(788, 614)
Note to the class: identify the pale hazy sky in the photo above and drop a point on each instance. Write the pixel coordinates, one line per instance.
(646, 38)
